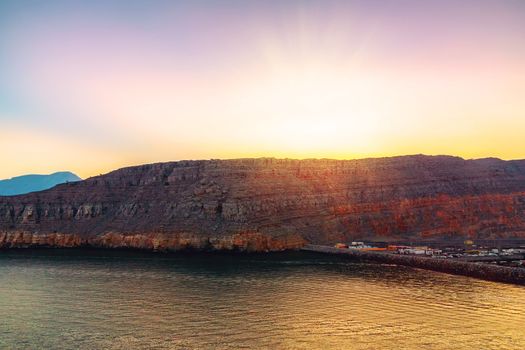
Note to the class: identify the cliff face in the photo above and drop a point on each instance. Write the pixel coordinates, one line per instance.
(270, 204)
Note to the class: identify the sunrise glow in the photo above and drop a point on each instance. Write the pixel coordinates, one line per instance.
(93, 88)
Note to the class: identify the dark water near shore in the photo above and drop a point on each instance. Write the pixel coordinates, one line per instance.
(130, 300)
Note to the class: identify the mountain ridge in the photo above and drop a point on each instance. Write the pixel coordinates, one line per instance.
(27, 183)
(271, 204)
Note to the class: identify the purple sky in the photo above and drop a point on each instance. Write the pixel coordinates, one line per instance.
(90, 86)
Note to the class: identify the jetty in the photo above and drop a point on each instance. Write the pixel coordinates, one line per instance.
(476, 269)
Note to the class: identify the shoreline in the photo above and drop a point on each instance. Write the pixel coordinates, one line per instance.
(489, 272)
(249, 241)
(484, 271)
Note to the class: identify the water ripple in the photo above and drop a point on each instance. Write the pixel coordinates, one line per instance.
(117, 300)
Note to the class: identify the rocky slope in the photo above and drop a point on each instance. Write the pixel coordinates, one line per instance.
(272, 204)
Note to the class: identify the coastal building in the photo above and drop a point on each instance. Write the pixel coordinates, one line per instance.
(419, 251)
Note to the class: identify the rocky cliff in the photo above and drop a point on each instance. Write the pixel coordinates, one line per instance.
(272, 204)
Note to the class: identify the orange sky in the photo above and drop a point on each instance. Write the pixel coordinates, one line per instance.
(90, 89)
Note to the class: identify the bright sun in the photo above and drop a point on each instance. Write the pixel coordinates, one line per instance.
(315, 110)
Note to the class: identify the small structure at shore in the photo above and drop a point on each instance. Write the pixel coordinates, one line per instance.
(492, 272)
(418, 251)
(361, 246)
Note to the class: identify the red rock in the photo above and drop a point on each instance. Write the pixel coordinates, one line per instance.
(273, 204)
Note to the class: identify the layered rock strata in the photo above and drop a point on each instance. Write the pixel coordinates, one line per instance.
(273, 204)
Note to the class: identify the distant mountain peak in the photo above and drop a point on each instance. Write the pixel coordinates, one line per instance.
(35, 182)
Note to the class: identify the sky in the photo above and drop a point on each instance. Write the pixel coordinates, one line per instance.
(91, 86)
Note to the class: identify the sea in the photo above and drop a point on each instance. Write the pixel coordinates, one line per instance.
(104, 299)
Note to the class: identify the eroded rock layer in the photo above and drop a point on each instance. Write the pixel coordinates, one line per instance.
(273, 204)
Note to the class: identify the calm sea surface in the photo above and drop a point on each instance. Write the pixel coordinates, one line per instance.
(128, 300)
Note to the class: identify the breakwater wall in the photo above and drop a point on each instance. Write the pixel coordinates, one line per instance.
(497, 273)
